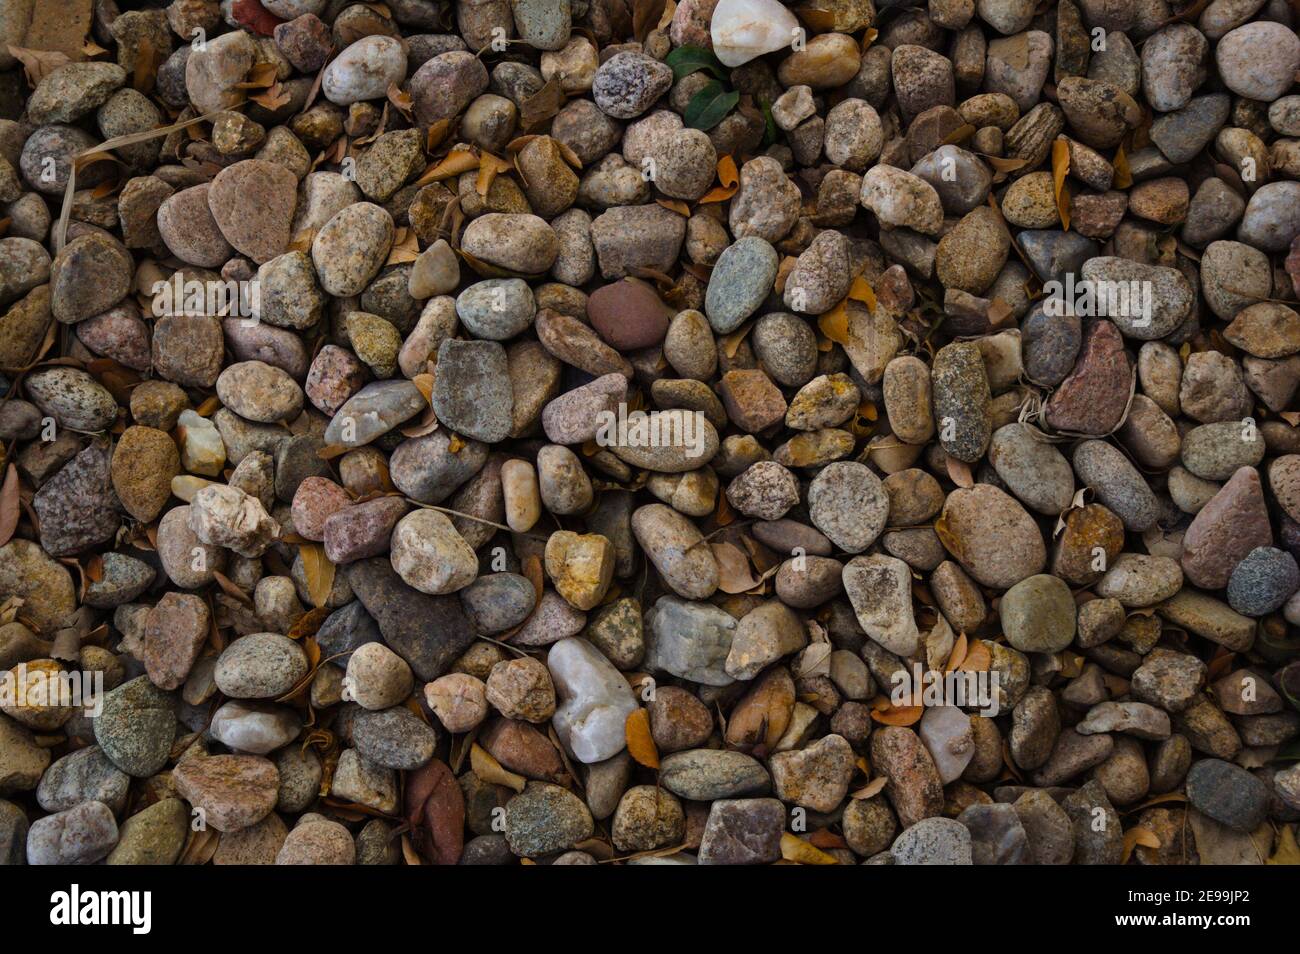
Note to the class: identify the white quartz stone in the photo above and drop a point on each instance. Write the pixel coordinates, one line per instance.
(743, 30)
(595, 701)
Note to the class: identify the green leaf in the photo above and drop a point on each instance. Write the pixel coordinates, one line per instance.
(708, 107)
(686, 60)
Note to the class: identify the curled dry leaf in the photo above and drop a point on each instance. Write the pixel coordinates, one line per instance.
(490, 770)
(794, 848)
(1135, 836)
(319, 572)
(640, 743)
(1060, 169)
(728, 182)
(871, 789)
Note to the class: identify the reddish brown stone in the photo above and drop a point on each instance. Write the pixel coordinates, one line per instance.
(1092, 398)
(752, 401)
(628, 315)
(1233, 523)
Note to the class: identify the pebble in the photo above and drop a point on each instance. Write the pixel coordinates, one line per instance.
(260, 666)
(544, 819)
(742, 831)
(1038, 614)
(997, 541)
(1228, 794)
(364, 70)
(78, 836)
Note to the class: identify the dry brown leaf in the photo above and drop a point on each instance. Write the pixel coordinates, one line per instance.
(640, 743)
(734, 572)
(676, 205)
(261, 76)
(400, 99)
(977, 659)
(453, 164)
(1123, 177)
(10, 505)
(406, 248)
(230, 589)
(542, 106)
(960, 648)
(1060, 169)
(890, 714)
(645, 17)
(273, 97)
(728, 182)
(871, 789)
(1287, 851)
(862, 291)
(489, 167)
(436, 134)
(731, 343)
(1135, 836)
(794, 848)
(490, 770)
(959, 472)
(200, 847)
(319, 572)
(38, 64)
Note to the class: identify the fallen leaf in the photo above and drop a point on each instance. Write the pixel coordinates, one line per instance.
(10, 506)
(958, 655)
(1287, 851)
(676, 205)
(261, 76)
(640, 743)
(862, 291)
(871, 789)
(400, 99)
(490, 770)
(645, 17)
(273, 97)
(38, 64)
(489, 167)
(1137, 835)
(959, 472)
(453, 164)
(309, 623)
(728, 182)
(731, 343)
(891, 714)
(436, 134)
(734, 572)
(1123, 176)
(794, 848)
(406, 248)
(1060, 169)
(977, 659)
(542, 105)
(319, 572)
(834, 324)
